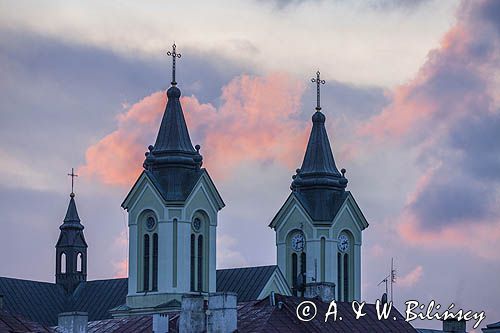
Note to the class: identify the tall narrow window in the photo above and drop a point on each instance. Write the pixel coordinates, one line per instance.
(146, 263)
(303, 265)
(346, 277)
(322, 260)
(79, 262)
(294, 273)
(155, 261)
(200, 263)
(174, 255)
(193, 265)
(339, 276)
(63, 263)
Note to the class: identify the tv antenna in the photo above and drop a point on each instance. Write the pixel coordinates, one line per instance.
(390, 279)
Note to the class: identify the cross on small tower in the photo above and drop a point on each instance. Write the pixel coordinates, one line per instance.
(318, 82)
(174, 55)
(72, 175)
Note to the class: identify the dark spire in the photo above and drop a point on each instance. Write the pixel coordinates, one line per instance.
(72, 220)
(71, 248)
(173, 161)
(318, 168)
(318, 183)
(173, 135)
(173, 145)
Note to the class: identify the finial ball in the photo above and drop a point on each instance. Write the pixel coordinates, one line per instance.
(72, 195)
(150, 147)
(343, 172)
(197, 147)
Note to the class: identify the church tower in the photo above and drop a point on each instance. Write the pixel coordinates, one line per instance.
(172, 218)
(318, 228)
(71, 250)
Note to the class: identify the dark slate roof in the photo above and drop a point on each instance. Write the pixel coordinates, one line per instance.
(262, 317)
(247, 282)
(43, 301)
(15, 323)
(176, 184)
(98, 296)
(322, 205)
(36, 301)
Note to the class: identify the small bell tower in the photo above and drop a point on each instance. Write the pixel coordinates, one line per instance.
(71, 248)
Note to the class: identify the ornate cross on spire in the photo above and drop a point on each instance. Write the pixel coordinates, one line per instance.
(72, 175)
(318, 82)
(174, 55)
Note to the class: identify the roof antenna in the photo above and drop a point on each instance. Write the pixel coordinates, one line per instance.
(393, 276)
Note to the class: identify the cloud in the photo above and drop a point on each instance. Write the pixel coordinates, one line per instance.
(412, 278)
(450, 113)
(227, 255)
(257, 121)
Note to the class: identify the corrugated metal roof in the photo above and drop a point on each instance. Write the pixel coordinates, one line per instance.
(16, 323)
(43, 301)
(36, 301)
(262, 317)
(247, 282)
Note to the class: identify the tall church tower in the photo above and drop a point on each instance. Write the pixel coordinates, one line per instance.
(318, 228)
(71, 250)
(172, 218)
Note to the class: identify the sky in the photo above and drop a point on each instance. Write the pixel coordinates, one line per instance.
(412, 102)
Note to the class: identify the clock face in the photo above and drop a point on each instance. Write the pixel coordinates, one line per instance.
(343, 243)
(298, 242)
(150, 223)
(196, 224)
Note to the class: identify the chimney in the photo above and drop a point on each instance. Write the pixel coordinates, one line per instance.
(324, 290)
(222, 312)
(192, 318)
(72, 322)
(454, 325)
(160, 323)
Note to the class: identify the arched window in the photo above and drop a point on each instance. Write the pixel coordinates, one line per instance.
(295, 273)
(155, 261)
(303, 266)
(79, 262)
(193, 259)
(322, 259)
(346, 277)
(199, 252)
(63, 262)
(200, 263)
(339, 276)
(146, 263)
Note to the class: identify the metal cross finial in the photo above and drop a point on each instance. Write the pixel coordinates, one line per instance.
(318, 82)
(174, 55)
(72, 175)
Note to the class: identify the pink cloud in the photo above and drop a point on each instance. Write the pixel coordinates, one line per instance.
(256, 122)
(412, 278)
(452, 95)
